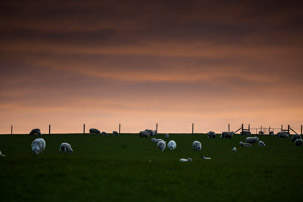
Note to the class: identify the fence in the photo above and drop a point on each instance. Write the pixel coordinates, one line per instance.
(190, 129)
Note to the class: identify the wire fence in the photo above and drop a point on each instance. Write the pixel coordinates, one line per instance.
(193, 128)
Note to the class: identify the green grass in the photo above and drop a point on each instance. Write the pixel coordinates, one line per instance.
(129, 168)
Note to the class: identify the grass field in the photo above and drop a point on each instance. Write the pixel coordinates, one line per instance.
(129, 168)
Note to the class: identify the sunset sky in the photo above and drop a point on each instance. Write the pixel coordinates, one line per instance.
(139, 63)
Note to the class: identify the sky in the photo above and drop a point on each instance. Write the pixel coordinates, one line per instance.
(139, 63)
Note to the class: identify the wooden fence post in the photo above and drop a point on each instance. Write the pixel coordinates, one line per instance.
(11, 129)
(119, 128)
(301, 130)
(248, 127)
(192, 128)
(228, 127)
(242, 127)
(157, 127)
(83, 129)
(49, 129)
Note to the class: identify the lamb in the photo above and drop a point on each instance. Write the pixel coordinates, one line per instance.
(294, 137)
(298, 142)
(227, 135)
(172, 145)
(94, 131)
(282, 135)
(166, 135)
(38, 145)
(115, 133)
(65, 147)
(234, 149)
(161, 145)
(211, 134)
(197, 145)
(104, 133)
(252, 140)
(143, 134)
(185, 160)
(261, 144)
(245, 144)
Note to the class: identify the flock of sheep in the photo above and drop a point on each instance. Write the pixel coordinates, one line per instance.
(39, 144)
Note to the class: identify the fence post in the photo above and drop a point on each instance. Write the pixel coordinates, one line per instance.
(49, 129)
(228, 127)
(242, 127)
(83, 129)
(288, 128)
(192, 128)
(301, 130)
(119, 128)
(11, 129)
(281, 128)
(157, 127)
(248, 127)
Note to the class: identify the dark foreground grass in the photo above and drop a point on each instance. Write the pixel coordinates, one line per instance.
(129, 168)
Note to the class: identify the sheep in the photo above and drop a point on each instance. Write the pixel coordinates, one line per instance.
(282, 135)
(2, 154)
(155, 140)
(172, 145)
(151, 132)
(197, 145)
(234, 149)
(115, 133)
(35, 131)
(185, 160)
(38, 145)
(261, 144)
(298, 142)
(104, 133)
(94, 131)
(211, 134)
(245, 133)
(206, 158)
(65, 147)
(166, 135)
(252, 140)
(261, 133)
(143, 134)
(227, 135)
(161, 145)
(294, 137)
(271, 132)
(245, 144)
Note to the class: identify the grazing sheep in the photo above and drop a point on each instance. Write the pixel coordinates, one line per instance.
(245, 144)
(294, 137)
(252, 140)
(282, 135)
(185, 160)
(151, 132)
(227, 135)
(234, 149)
(261, 133)
(298, 142)
(38, 145)
(2, 154)
(172, 145)
(65, 147)
(206, 158)
(245, 133)
(161, 145)
(211, 134)
(115, 133)
(271, 133)
(261, 144)
(143, 134)
(166, 135)
(94, 131)
(155, 140)
(35, 131)
(104, 133)
(197, 145)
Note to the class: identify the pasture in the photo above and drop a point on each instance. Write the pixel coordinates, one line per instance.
(129, 168)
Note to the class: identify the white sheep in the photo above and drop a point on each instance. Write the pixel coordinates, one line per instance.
(166, 135)
(185, 160)
(261, 144)
(245, 144)
(252, 140)
(294, 137)
(282, 135)
(65, 147)
(172, 145)
(161, 145)
(211, 134)
(38, 145)
(227, 135)
(197, 145)
(206, 158)
(2, 154)
(144, 134)
(155, 140)
(234, 149)
(298, 142)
